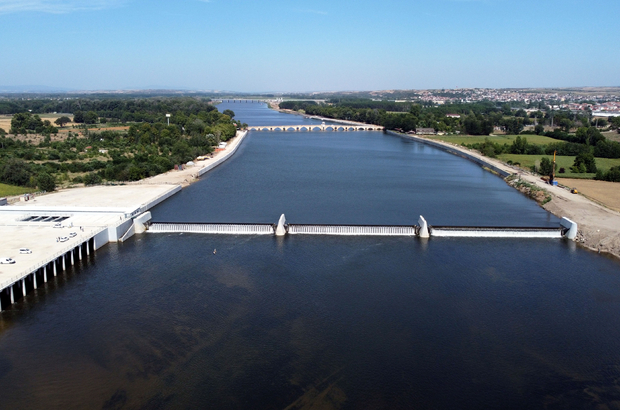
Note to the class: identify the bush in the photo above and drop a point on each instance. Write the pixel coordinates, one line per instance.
(613, 175)
(46, 182)
(92, 179)
(562, 170)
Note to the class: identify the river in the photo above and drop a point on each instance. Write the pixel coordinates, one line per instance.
(161, 321)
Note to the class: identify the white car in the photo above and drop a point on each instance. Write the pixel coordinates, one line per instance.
(63, 238)
(58, 225)
(6, 260)
(24, 250)
(72, 235)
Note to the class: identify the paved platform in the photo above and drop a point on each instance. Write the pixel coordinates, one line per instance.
(84, 211)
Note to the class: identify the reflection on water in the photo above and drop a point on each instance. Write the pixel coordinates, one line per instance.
(308, 322)
(330, 322)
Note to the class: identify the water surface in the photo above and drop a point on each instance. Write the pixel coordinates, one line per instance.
(307, 322)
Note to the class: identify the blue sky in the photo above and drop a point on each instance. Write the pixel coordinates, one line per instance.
(318, 45)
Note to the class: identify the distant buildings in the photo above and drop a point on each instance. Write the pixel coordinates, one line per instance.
(425, 131)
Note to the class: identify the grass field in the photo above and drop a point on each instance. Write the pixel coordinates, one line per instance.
(11, 190)
(527, 161)
(498, 139)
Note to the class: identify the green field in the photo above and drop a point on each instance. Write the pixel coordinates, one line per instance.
(11, 190)
(498, 139)
(527, 161)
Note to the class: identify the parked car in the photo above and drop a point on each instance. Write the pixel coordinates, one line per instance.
(24, 250)
(63, 238)
(6, 260)
(72, 235)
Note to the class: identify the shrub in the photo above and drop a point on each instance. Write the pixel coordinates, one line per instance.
(92, 179)
(46, 182)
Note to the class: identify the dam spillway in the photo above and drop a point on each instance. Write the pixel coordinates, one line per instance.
(566, 229)
(496, 232)
(351, 230)
(213, 228)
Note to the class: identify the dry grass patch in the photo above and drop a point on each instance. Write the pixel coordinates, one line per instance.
(606, 193)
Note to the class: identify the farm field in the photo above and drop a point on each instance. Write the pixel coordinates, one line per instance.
(5, 120)
(11, 190)
(526, 161)
(612, 135)
(607, 193)
(498, 139)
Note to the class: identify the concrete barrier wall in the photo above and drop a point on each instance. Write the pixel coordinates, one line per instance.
(101, 239)
(224, 157)
(116, 232)
(453, 151)
(161, 198)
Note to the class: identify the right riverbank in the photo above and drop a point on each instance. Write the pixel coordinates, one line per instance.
(599, 226)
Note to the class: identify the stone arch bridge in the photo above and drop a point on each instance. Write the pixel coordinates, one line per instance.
(319, 127)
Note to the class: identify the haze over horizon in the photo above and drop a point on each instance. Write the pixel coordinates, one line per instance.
(300, 46)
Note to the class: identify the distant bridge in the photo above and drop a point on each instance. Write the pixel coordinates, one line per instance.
(320, 127)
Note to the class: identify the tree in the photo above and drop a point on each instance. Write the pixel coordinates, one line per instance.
(584, 162)
(91, 117)
(46, 182)
(539, 129)
(566, 124)
(15, 172)
(513, 125)
(519, 146)
(78, 117)
(546, 167)
(230, 113)
(62, 121)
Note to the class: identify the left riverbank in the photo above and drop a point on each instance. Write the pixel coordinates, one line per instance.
(192, 173)
(62, 227)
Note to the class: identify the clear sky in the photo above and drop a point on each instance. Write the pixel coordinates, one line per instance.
(302, 45)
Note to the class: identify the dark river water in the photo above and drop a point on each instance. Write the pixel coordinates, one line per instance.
(320, 322)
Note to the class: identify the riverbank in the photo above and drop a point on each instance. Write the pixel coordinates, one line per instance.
(191, 174)
(599, 226)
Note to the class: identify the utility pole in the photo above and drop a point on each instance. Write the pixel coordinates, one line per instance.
(553, 168)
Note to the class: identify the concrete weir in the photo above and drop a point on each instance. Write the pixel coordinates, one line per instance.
(567, 229)
(58, 234)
